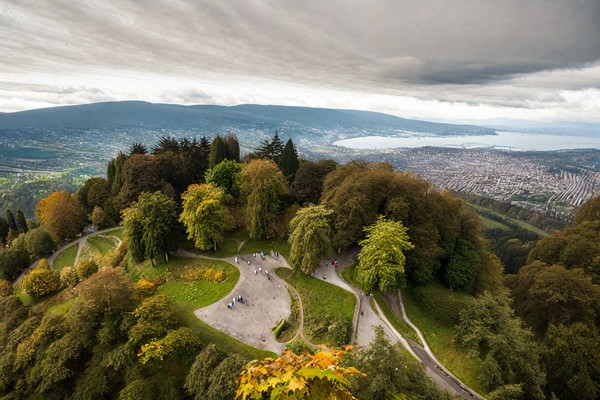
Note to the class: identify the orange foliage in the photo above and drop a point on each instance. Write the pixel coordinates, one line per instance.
(61, 214)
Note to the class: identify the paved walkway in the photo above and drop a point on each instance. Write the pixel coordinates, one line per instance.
(266, 302)
(80, 242)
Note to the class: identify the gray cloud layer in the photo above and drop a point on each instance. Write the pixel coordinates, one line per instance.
(508, 53)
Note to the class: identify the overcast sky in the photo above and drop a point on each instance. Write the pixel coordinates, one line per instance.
(439, 60)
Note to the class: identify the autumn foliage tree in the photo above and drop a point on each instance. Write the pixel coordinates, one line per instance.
(309, 238)
(204, 215)
(291, 376)
(41, 280)
(61, 215)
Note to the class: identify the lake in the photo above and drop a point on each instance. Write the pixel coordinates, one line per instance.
(502, 140)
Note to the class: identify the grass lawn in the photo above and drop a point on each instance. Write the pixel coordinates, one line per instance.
(23, 297)
(61, 308)
(228, 248)
(441, 340)
(103, 243)
(117, 232)
(266, 245)
(491, 224)
(518, 222)
(321, 300)
(66, 258)
(349, 275)
(186, 297)
(396, 320)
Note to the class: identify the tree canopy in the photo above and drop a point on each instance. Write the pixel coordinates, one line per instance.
(204, 215)
(381, 259)
(309, 238)
(61, 215)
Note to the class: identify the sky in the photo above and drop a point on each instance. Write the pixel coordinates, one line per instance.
(460, 60)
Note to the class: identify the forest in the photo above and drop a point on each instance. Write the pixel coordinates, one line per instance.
(106, 327)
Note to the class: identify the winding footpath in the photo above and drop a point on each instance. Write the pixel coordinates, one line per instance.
(80, 243)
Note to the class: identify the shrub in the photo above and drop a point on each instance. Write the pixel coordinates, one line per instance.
(86, 268)
(41, 281)
(68, 277)
(340, 331)
(145, 287)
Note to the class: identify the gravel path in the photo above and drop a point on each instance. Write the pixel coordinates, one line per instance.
(266, 302)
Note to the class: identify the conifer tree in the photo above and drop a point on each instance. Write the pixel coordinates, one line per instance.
(22, 221)
(10, 218)
(289, 160)
(137, 148)
(233, 147)
(218, 151)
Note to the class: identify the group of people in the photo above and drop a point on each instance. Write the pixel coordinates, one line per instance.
(235, 299)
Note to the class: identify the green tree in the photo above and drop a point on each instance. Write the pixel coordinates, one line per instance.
(204, 215)
(22, 221)
(271, 149)
(158, 218)
(222, 382)
(4, 228)
(137, 148)
(218, 151)
(462, 267)
(589, 211)
(86, 268)
(233, 147)
(289, 159)
(197, 382)
(39, 243)
(307, 186)
(134, 232)
(309, 238)
(12, 223)
(381, 259)
(383, 378)
(489, 328)
(262, 184)
(226, 176)
(154, 320)
(571, 360)
(544, 295)
(12, 263)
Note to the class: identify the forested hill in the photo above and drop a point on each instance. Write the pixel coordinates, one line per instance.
(212, 118)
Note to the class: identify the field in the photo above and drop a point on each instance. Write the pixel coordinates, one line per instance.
(322, 302)
(103, 243)
(482, 211)
(66, 258)
(440, 338)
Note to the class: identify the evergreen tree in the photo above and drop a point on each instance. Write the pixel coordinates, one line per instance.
(289, 160)
(22, 221)
(4, 228)
(118, 177)
(218, 151)
(10, 218)
(137, 148)
(165, 144)
(204, 145)
(271, 149)
(233, 147)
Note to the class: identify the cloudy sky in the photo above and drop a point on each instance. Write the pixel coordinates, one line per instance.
(440, 60)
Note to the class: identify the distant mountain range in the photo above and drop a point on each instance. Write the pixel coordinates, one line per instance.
(213, 119)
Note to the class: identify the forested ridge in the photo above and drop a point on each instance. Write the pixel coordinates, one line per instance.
(107, 328)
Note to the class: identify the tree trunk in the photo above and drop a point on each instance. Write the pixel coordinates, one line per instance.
(166, 256)
(215, 245)
(152, 261)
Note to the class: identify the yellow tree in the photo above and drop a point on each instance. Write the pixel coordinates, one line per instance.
(292, 376)
(262, 184)
(61, 215)
(204, 215)
(309, 237)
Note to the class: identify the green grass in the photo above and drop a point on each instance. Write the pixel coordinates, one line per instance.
(491, 224)
(147, 271)
(349, 275)
(441, 341)
(66, 258)
(104, 244)
(515, 221)
(228, 248)
(61, 308)
(322, 301)
(396, 320)
(23, 297)
(201, 293)
(266, 245)
(293, 322)
(120, 233)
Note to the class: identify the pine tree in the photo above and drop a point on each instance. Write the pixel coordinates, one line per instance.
(233, 147)
(137, 148)
(22, 221)
(277, 147)
(289, 160)
(10, 218)
(218, 151)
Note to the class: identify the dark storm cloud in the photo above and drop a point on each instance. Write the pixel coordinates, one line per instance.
(417, 48)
